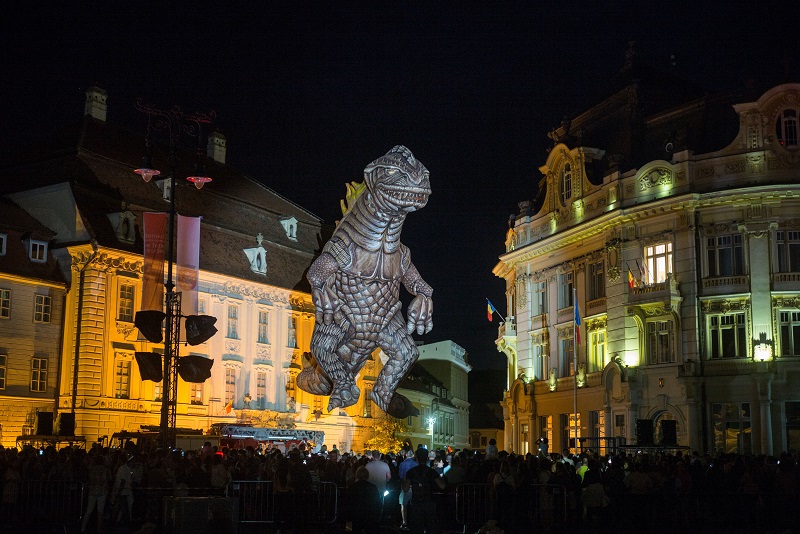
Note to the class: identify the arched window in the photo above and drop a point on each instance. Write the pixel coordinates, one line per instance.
(566, 183)
(786, 128)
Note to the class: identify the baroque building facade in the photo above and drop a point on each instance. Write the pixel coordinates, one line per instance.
(255, 247)
(673, 217)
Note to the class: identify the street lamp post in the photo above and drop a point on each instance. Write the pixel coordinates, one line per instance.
(431, 421)
(176, 124)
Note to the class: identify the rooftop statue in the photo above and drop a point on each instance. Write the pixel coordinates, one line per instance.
(355, 286)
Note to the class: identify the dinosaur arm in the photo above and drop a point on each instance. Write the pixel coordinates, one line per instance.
(324, 299)
(420, 311)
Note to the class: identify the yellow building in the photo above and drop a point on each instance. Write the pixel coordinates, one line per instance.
(673, 216)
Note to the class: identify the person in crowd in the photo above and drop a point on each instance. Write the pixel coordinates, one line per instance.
(423, 481)
(122, 494)
(405, 495)
(363, 504)
(491, 450)
(98, 486)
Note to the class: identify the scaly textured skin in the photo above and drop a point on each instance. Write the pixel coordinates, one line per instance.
(355, 286)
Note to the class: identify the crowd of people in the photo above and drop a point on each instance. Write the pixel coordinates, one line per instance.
(414, 489)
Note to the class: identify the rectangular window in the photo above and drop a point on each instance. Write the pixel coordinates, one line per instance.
(41, 311)
(597, 281)
(3, 241)
(484, 441)
(367, 402)
(792, 425)
(292, 337)
(158, 388)
(790, 333)
(126, 302)
(727, 336)
(263, 326)
(3, 367)
(725, 255)
(570, 429)
(657, 262)
(566, 357)
(539, 363)
(233, 321)
(597, 420)
(261, 390)
(523, 438)
(196, 393)
(39, 374)
(410, 421)
(230, 385)
(5, 303)
(540, 297)
(564, 290)
(732, 427)
(661, 342)
(201, 306)
(788, 251)
(122, 379)
(597, 351)
(38, 251)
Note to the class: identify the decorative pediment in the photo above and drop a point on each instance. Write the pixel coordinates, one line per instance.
(257, 256)
(124, 224)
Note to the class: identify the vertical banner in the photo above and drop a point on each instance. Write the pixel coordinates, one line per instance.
(154, 225)
(188, 262)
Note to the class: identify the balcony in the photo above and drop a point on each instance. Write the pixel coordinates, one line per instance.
(785, 281)
(507, 329)
(665, 293)
(723, 285)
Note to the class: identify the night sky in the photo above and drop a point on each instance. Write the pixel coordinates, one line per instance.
(308, 94)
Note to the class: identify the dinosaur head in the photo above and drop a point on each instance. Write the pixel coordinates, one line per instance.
(398, 181)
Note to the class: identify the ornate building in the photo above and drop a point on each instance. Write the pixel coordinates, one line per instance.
(672, 213)
(255, 247)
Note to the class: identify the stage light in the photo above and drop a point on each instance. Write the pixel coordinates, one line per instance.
(149, 365)
(149, 323)
(199, 328)
(196, 369)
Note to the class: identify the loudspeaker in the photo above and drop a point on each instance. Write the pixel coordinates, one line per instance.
(44, 423)
(644, 431)
(66, 424)
(669, 432)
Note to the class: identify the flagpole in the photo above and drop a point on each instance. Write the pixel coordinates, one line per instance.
(575, 368)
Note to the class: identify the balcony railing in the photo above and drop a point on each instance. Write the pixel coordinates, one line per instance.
(507, 329)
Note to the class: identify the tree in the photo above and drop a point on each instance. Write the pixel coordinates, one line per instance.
(388, 434)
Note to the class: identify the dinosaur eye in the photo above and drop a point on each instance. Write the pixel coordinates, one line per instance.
(391, 171)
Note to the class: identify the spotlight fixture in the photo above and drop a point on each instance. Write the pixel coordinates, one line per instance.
(149, 323)
(199, 328)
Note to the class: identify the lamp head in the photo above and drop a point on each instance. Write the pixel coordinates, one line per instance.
(149, 324)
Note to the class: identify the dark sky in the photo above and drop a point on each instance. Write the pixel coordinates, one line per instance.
(309, 93)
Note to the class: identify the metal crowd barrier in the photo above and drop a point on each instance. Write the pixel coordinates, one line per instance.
(41, 502)
(259, 504)
(541, 506)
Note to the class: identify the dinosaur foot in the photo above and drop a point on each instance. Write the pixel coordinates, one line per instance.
(400, 407)
(312, 378)
(344, 396)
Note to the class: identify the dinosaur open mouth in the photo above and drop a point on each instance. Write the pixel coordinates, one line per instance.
(407, 196)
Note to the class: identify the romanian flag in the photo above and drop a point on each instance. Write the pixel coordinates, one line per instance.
(490, 309)
(577, 324)
(229, 406)
(631, 279)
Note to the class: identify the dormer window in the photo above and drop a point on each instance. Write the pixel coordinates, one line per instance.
(786, 128)
(37, 251)
(3, 241)
(165, 186)
(290, 227)
(566, 183)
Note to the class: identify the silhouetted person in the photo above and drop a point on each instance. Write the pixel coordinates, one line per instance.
(423, 481)
(364, 504)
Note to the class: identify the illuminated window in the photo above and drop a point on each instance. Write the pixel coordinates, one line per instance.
(786, 128)
(732, 427)
(37, 251)
(661, 341)
(597, 427)
(261, 390)
(3, 240)
(597, 350)
(727, 336)
(38, 374)
(564, 290)
(523, 438)
(126, 305)
(566, 183)
(3, 367)
(657, 262)
(233, 321)
(122, 379)
(158, 389)
(5, 303)
(597, 280)
(539, 303)
(725, 255)
(263, 326)
(546, 428)
(367, 402)
(790, 333)
(788, 251)
(291, 342)
(570, 429)
(230, 385)
(196, 393)
(539, 363)
(41, 310)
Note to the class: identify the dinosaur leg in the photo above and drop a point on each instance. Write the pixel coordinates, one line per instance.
(345, 391)
(313, 378)
(398, 345)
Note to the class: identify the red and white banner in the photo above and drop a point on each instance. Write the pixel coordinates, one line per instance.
(154, 246)
(188, 262)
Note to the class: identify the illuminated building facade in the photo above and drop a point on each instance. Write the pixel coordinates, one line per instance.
(674, 216)
(255, 247)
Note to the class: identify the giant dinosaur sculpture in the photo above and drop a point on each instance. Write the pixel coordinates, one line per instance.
(355, 286)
